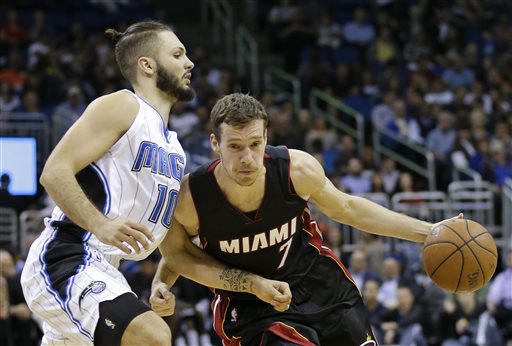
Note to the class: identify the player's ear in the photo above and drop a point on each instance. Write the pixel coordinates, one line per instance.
(147, 65)
(214, 144)
(265, 136)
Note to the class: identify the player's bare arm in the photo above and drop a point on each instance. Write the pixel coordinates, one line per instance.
(104, 121)
(310, 182)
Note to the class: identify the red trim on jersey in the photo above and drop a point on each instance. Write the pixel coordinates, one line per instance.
(220, 307)
(325, 251)
(266, 155)
(288, 333)
(212, 166)
(311, 227)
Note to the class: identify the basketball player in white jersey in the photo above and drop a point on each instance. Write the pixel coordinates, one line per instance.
(115, 178)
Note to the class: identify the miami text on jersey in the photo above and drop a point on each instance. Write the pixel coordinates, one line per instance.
(161, 162)
(260, 240)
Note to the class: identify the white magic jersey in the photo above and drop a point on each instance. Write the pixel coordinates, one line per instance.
(68, 271)
(140, 177)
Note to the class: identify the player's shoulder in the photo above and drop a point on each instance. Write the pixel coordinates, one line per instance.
(118, 102)
(304, 163)
(306, 172)
(115, 110)
(185, 211)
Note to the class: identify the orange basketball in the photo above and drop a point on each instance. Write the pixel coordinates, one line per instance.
(460, 255)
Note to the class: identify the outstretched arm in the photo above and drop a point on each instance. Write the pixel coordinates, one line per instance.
(311, 183)
(183, 257)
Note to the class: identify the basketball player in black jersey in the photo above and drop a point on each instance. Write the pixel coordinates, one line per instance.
(249, 210)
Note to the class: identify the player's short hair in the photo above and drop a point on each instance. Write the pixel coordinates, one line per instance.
(236, 110)
(139, 39)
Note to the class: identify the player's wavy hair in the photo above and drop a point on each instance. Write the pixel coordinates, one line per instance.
(236, 110)
(139, 39)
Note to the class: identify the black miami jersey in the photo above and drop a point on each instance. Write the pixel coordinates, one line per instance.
(278, 241)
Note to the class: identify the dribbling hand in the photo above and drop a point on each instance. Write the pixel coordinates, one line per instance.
(162, 300)
(460, 216)
(121, 233)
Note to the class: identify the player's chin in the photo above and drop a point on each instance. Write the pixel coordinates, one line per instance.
(246, 181)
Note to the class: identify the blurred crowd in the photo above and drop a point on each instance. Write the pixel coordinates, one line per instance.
(434, 72)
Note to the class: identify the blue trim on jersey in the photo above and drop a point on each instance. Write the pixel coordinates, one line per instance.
(165, 131)
(55, 294)
(106, 207)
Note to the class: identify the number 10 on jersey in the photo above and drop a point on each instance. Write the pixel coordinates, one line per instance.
(167, 199)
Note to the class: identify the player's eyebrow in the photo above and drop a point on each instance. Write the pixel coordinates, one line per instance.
(181, 49)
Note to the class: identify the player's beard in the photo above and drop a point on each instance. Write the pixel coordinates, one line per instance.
(170, 85)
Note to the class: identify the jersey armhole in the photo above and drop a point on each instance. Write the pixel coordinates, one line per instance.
(130, 129)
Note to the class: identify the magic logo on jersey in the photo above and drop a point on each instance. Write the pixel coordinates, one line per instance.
(260, 240)
(161, 162)
(95, 287)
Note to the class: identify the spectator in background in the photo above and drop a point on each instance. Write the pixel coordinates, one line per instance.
(464, 322)
(463, 148)
(358, 31)
(403, 124)
(294, 37)
(376, 310)
(383, 49)
(402, 325)
(5, 323)
(281, 14)
(9, 100)
(7, 200)
(13, 30)
(23, 329)
(375, 251)
(356, 180)
(481, 161)
(501, 166)
(458, 75)
(377, 183)
(389, 174)
(314, 72)
(14, 71)
(391, 275)
(502, 134)
(358, 269)
(320, 130)
(329, 33)
(30, 102)
(441, 141)
(499, 298)
(383, 112)
(438, 93)
(342, 81)
(74, 105)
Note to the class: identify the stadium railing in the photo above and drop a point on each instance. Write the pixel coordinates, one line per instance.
(427, 171)
(475, 199)
(222, 25)
(246, 49)
(355, 130)
(279, 81)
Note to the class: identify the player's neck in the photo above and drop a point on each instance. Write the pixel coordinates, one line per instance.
(244, 198)
(159, 100)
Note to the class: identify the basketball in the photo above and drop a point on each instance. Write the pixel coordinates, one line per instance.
(460, 255)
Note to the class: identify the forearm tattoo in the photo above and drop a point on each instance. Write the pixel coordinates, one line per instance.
(236, 280)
